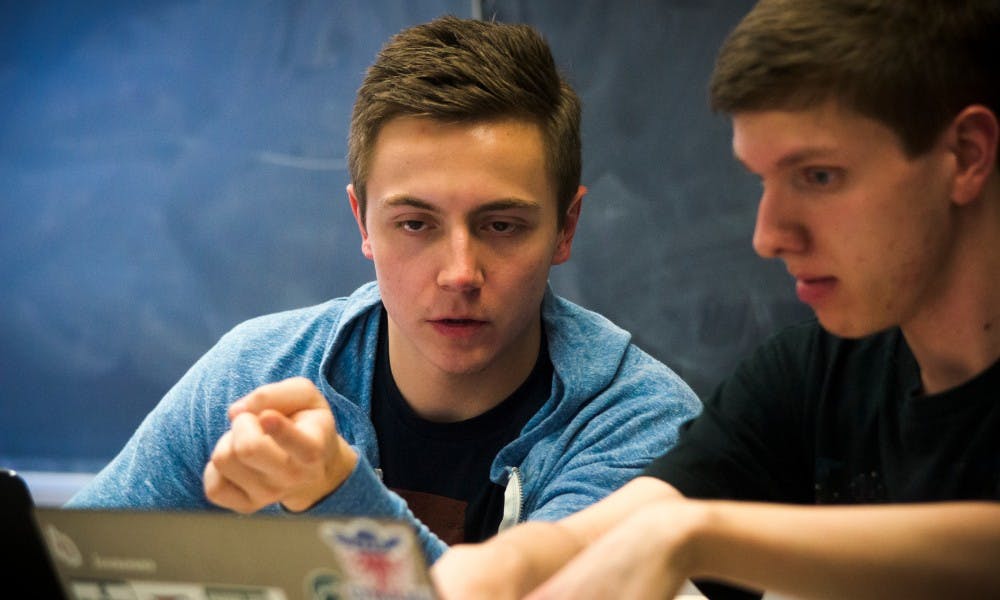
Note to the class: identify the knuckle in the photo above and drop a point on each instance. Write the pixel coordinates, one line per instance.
(221, 457)
(301, 385)
(300, 381)
(248, 448)
(251, 498)
(212, 491)
(259, 396)
(218, 456)
(244, 508)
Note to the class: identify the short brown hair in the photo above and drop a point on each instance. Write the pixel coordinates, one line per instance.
(912, 65)
(459, 70)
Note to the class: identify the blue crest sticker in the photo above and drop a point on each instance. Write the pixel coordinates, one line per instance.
(378, 560)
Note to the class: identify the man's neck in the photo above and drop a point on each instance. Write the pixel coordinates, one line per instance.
(958, 337)
(441, 396)
(956, 355)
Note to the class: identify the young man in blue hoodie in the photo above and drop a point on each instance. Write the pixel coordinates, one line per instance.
(457, 391)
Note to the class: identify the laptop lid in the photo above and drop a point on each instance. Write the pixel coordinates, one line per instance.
(152, 555)
(25, 567)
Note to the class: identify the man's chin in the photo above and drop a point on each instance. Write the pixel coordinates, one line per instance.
(463, 366)
(850, 328)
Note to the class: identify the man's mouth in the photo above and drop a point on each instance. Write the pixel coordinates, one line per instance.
(458, 327)
(813, 290)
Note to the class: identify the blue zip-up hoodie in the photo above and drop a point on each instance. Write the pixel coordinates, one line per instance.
(613, 408)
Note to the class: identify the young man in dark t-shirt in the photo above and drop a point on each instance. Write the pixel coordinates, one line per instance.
(856, 456)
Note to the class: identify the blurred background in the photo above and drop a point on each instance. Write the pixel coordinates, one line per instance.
(171, 168)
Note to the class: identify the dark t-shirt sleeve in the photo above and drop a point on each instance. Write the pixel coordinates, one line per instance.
(750, 442)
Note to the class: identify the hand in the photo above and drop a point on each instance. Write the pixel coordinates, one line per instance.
(507, 565)
(283, 446)
(648, 555)
(483, 571)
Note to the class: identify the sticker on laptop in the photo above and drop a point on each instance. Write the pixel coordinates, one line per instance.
(378, 559)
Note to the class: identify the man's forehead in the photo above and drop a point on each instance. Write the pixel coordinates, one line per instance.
(780, 138)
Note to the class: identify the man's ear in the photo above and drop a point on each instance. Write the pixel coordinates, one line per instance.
(973, 140)
(564, 245)
(366, 245)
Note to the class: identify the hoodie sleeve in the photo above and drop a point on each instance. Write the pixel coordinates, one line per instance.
(161, 465)
(609, 441)
(363, 494)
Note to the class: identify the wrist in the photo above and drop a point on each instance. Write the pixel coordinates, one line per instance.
(694, 554)
(335, 473)
(340, 469)
(559, 540)
(681, 531)
(533, 551)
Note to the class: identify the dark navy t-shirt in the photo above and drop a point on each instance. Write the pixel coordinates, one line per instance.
(442, 469)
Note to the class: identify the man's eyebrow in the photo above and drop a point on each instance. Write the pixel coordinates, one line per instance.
(805, 155)
(410, 201)
(508, 204)
(500, 204)
(794, 158)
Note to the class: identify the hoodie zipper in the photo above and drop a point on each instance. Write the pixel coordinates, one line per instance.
(513, 500)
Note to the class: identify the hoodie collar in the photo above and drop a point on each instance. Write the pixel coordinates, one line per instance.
(583, 368)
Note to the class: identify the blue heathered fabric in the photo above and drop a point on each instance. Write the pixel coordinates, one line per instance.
(612, 410)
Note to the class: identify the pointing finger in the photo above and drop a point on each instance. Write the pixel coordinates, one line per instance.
(286, 397)
(293, 439)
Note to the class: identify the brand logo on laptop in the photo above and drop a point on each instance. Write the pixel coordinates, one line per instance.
(62, 547)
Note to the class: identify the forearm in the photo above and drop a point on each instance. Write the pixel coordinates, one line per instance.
(899, 551)
(573, 533)
(581, 529)
(594, 521)
(518, 560)
(536, 550)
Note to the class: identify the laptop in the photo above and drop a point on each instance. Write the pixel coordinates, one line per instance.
(157, 555)
(25, 567)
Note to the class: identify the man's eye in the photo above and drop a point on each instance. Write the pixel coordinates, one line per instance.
(502, 227)
(822, 177)
(413, 225)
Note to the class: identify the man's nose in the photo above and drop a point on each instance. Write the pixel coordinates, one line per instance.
(461, 269)
(777, 230)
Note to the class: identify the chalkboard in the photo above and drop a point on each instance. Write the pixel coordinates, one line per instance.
(172, 168)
